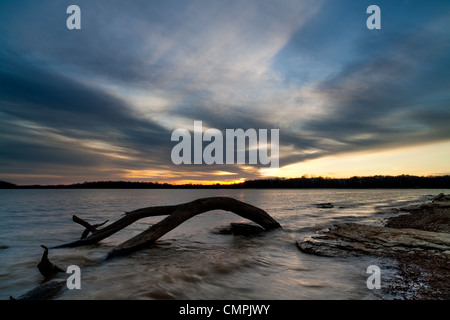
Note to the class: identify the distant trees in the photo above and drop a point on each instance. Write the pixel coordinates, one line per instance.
(372, 182)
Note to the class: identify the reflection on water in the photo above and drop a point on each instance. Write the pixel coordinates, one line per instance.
(193, 261)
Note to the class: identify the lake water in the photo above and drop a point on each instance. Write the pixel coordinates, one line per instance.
(193, 261)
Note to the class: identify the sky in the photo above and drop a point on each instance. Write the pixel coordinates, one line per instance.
(101, 102)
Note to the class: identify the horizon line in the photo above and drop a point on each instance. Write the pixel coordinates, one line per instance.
(216, 183)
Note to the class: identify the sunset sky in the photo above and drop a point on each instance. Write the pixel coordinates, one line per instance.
(101, 103)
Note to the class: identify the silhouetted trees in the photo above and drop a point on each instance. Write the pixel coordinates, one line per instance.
(7, 185)
(372, 182)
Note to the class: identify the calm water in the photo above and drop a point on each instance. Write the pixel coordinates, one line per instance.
(193, 261)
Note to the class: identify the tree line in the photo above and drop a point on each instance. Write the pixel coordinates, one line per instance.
(372, 182)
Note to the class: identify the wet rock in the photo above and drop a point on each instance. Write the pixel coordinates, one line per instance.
(245, 229)
(241, 229)
(324, 205)
(428, 219)
(441, 198)
(326, 249)
(440, 201)
(356, 239)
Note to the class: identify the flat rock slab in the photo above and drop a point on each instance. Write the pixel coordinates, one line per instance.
(427, 219)
(355, 239)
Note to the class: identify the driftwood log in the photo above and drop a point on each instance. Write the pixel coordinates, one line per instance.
(45, 291)
(176, 215)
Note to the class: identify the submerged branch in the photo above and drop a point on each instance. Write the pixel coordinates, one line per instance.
(177, 214)
(186, 211)
(87, 225)
(45, 266)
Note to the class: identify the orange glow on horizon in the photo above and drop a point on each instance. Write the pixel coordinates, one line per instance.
(207, 182)
(177, 178)
(420, 160)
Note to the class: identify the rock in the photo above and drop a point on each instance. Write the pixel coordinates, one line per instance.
(356, 239)
(441, 198)
(324, 205)
(241, 229)
(245, 229)
(428, 219)
(326, 249)
(440, 201)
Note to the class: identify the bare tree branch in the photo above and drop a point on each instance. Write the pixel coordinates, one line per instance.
(177, 214)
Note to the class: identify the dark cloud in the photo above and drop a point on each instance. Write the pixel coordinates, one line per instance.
(68, 99)
(390, 94)
(66, 112)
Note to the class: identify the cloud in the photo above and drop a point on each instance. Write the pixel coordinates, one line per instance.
(105, 99)
(390, 94)
(49, 118)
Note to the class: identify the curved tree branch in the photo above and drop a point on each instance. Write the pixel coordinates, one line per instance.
(186, 211)
(120, 224)
(177, 214)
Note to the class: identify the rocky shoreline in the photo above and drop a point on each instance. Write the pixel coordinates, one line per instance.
(418, 241)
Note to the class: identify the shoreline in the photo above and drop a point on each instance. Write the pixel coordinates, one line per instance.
(418, 242)
(429, 271)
